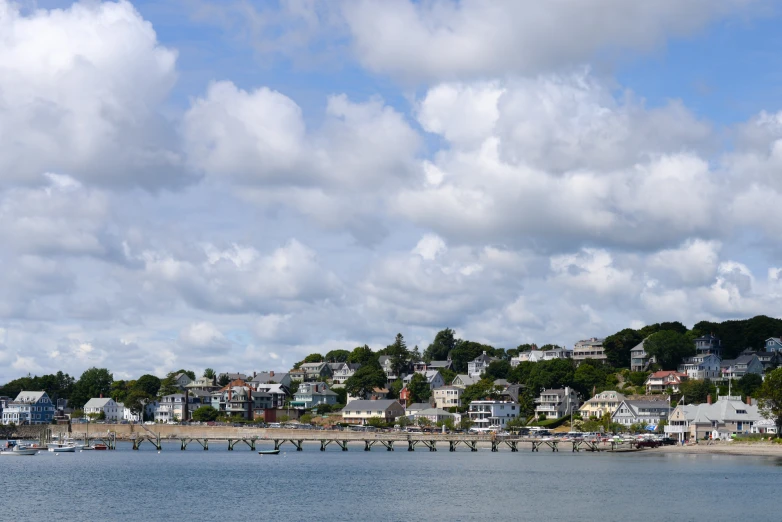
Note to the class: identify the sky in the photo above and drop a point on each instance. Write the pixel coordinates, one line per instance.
(237, 184)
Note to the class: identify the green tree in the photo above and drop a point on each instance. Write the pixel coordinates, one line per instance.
(95, 382)
(362, 355)
(136, 400)
(209, 373)
(119, 390)
(403, 421)
(749, 384)
(441, 347)
(223, 379)
(205, 414)
(365, 380)
(396, 388)
(617, 347)
(419, 388)
(695, 391)
(398, 354)
(147, 383)
(498, 369)
(448, 423)
(306, 418)
(466, 423)
(484, 389)
(376, 422)
(322, 409)
(337, 356)
(590, 377)
(423, 421)
(342, 394)
(669, 347)
(770, 398)
(556, 373)
(465, 351)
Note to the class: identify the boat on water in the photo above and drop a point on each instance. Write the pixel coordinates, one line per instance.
(17, 449)
(269, 452)
(61, 447)
(100, 447)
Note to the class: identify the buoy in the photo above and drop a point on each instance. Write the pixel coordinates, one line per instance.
(158, 453)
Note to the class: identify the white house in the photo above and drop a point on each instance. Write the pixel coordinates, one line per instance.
(701, 366)
(113, 411)
(541, 355)
(433, 377)
(728, 416)
(358, 412)
(149, 410)
(589, 349)
(343, 371)
(635, 412)
(489, 414)
(556, 403)
(604, 402)
(478, 365)
(434, 415)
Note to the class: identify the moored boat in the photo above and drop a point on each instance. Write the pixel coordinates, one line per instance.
(60, 447)
(98, 446)
(16, 449)
(269, 452)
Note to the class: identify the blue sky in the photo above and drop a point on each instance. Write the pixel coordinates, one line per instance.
(194, 182)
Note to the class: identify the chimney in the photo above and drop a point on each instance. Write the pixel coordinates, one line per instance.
(749, 400)
(254, 374)
(271, 373)
(708, 399)
(230, 393)
(101, 395)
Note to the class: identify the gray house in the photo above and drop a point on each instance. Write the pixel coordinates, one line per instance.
(741, 366)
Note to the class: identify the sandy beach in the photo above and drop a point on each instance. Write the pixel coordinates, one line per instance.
(756, 449)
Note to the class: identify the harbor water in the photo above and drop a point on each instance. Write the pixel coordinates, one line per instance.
(196, 485)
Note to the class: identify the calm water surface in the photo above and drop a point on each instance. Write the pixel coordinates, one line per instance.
(197, 485)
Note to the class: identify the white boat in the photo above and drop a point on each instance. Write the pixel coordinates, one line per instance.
(19, 450)
(61, 447)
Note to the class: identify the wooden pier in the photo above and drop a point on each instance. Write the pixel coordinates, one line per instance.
(389, 441)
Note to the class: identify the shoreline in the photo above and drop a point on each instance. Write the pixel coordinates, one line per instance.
(749, 449)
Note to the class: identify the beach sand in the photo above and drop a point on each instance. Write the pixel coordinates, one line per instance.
(757, 449)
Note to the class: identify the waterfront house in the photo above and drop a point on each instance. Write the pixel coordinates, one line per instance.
(728, 416)
(478, 365)
(176, 407)
(110, 409)
(664, 380)
(709, 344)
(701, 366)
(635, 412)
(774, 344)
(556, 403)
(414, 408)
(130, 416)
(741, 366)
(447, 397)
(358, 412)
(271, 377)
(433, 378)
(639, 359)
(492, 414)
(602, 403)
(463, 380)
(310, 394)
(29, 407)
(341, 372)
(434, 415)
(591, 348)
(315, 372)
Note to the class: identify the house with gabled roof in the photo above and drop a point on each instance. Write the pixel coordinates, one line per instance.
(29, 407)
(741, 366)
(478, 365)
(664, 380)
(316, 371)
(360, 411)
(773, 344)
(726, 417)
(463, 380)
(112, 411)
(636, 412)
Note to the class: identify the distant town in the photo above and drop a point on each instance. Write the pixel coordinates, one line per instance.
(686, 384)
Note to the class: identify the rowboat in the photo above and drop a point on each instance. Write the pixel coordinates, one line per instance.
(269, 452)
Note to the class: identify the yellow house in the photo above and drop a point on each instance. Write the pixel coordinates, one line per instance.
(602, 403)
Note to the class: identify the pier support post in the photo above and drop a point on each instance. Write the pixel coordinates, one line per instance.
(298, 446)
(410, 445)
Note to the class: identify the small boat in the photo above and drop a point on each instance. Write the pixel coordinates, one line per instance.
(19, 450)
(269, 452)
(59, 447)
(98, 446)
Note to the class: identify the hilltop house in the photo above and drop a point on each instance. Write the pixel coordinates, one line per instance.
(492, 414)
(440, 365)
(709, 344)
(29, 407)
(726, 417)
(385, 363)
(636, 412)
(277, 392)
(589, 349)
(536, 355)
(774, 344)
(769, 360)
(556, 403)
(314, 372)
(181, 380)
(202, 384)
(433, 377)
(600, 404)
(741, 366)
(701, 366)
(664, 380)
(639, 359)
(478, 365)
(463, 380)
(341, 372)
(112, 411)
(358, 412)
(261, 378)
